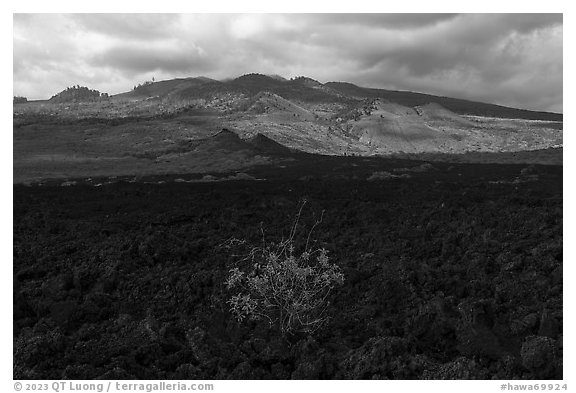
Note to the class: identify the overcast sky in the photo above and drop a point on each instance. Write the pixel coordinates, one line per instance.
(508, 59)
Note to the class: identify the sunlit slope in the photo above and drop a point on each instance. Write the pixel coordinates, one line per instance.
(393, 127)
(456, 105)
(279, 108)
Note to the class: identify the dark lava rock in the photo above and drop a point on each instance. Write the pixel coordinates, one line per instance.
(474, 333)
(187, 371)
(479, 341)
(22, 308)
(49, 347)
(539, 355)
(411, 251)
(311, 361)
(434, 324)
(116, 373)
(461, 368)
(508, 367)
(81, 371)
(63, 311)
(57, 288)
(549, 325)
(280, 371)
(526, 324)
(309, 369)
(377, 359)
(245, 370)
(557, 276)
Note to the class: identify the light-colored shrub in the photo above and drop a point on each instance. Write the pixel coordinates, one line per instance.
(285, 286)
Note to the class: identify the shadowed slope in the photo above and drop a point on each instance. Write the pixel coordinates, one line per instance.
(263, 144)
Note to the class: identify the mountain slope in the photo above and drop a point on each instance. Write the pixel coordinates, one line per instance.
(435, 114)
(277, 106)
(457, 105)
(229, 142)
(264, 145)
(390, 127)
(303, 89)
(300, 113)
(299, 89)
(165, 88)
(247, 86)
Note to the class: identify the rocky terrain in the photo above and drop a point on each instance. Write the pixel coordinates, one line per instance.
(444, 216)
(452, 271)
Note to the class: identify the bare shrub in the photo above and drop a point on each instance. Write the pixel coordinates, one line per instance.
(284, 285)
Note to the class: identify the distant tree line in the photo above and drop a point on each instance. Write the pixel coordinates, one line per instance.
(146, 83)
(79, 94)
(20, 100)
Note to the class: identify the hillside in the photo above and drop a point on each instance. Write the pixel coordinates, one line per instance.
(78, 93)
(167, 127)
(275, 105)
(311, 91)
(307, 90)
(264, 145)
(457, 105)
(396, 128)
(164, 88)
(243, 87)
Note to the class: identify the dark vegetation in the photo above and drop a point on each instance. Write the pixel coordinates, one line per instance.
(451, 271)
(78, 94)
(20, 100)
(250, 85)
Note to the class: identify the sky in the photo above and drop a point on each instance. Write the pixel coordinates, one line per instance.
(508, 59)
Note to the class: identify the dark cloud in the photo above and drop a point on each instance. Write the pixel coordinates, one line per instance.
(509, 59)
(388, 21)
(132, 26)
(142, 59)
(525, 23)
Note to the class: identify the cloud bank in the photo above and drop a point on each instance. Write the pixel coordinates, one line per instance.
(508, 59)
